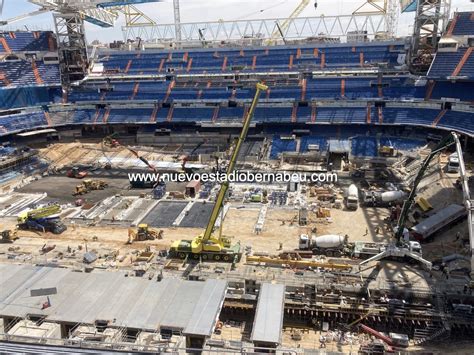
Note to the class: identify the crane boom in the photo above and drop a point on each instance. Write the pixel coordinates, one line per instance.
(24, 16)
(468, 201)
(281, 28)
(146, 162)
(41, 212)
(233, 160)
(444, 143)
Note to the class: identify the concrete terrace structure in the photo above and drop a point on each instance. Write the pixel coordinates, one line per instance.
(268, 324)
(110, 298)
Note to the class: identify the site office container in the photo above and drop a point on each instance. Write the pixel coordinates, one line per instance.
(192, 188)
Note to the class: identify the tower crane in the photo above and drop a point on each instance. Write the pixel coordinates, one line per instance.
(69, 17)
(207, 246)
(281, 28)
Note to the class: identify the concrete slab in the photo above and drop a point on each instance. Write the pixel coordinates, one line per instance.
(164, 213)
(198, 216)
(136, 303)
(268, 323)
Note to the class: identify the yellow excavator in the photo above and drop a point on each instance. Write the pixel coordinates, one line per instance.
(143, 233)
(8, 236)
(207, 246)
(89, 185)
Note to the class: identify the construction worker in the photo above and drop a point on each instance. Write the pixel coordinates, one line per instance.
(322, 342)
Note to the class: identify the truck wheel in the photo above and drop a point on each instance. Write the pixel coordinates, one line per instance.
(226, 258)
(181, 255)
(217, 257)
(204, 257)
(195, 256)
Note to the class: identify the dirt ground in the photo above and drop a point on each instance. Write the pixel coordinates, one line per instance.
(280, 225)
(239, 224)
(61, 155)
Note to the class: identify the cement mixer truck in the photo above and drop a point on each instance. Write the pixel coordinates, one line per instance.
(330, 244)
(338, 245)
(351, 197)
(383, 199)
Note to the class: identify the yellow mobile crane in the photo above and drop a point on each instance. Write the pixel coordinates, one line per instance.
(42, 219)
(206, 245)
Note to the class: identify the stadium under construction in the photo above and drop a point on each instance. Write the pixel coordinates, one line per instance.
(347, 226)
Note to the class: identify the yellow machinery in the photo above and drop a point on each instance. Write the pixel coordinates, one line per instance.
(387, 151)
(424, 204)
(89, 185)
(281, 28)
(42, 219)
(300, 264)
(143, 233)
(39, 213)
(208, 246)
(8, 236)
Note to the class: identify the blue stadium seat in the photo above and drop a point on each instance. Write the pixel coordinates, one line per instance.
(464, 24)
(281, 145)
(20, 41)
(364, 146)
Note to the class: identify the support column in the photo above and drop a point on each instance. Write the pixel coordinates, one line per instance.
(72, 50)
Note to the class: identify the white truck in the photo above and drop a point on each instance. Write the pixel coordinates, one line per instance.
(338, 245)
(383, 199)
(352, 197)
(453, 163)
(330, 244)
(364, 250)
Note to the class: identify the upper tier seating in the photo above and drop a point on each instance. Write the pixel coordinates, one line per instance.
(464, 24)
(27, 42)
(327, 116)
(445, 64)
(350, 88)
(252, 59)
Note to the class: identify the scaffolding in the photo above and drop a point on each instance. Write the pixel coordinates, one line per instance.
(431, 20)
(71, 47)
(255, 32)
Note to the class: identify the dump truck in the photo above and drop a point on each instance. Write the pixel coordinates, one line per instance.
(351, 197)
(439, 220)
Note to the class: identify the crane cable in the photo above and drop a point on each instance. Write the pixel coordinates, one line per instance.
(260, 11)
